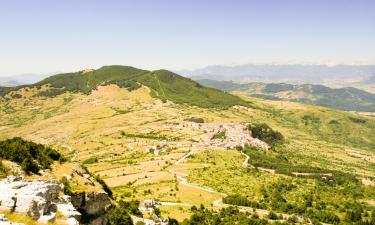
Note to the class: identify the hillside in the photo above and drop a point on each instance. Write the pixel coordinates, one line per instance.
(164, 85)
(349, 99)
(147, 148)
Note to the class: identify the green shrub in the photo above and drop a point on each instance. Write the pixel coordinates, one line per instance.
(219, 135)
(67, 189)
(90, 160)
(195, 119)
(272, 216)
(310, 120)
(358, 120)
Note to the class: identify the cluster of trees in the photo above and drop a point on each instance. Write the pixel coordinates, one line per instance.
(232, 215)
(240, 201)
(282, 165)
(265, 133)
(316, 206)
(52, 92)
(120, 214)
(225, 216)
(29, 155)
(151, 135)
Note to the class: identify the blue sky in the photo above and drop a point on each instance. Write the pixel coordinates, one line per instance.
(42, 36)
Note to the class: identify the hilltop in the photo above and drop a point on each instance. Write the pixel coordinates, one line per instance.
(163, 84)
(349, 98)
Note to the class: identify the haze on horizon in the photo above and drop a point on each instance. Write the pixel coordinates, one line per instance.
(44, 36)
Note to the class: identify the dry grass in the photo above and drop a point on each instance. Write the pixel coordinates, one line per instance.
(85, 127)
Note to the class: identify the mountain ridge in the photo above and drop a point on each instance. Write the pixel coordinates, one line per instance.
(164, 85)
(340, 75)
(348, 98)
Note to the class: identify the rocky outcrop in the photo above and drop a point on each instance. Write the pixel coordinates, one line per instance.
(93, 205)
(42, 199)
(36, 198)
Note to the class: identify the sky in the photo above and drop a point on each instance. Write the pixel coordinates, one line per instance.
(40, 36)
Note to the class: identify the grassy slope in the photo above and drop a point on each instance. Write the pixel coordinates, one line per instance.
(165, 85)
(311, 139)
(170, 86)
(350, 99)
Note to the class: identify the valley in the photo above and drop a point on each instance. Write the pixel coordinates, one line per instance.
(150, 138)
(346, 98)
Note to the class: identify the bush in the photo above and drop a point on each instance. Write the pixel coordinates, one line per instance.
(28, 165)
(90, 160)
(310, 119)
(358, 120)
(272, 216)
(67, 189)
(219, 135)
(195, 120)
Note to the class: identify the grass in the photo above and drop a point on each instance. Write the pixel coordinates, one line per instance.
(25, 219)
(96, 137)
(164, 84)
(179, 213)
(276, 191)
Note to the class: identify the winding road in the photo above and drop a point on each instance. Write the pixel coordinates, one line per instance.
(218, 202)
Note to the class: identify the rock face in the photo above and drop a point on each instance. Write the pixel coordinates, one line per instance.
(40, 200)
(93, 205)
(36, 198)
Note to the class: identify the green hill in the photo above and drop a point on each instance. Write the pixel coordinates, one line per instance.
(164, 84)
(349, 99)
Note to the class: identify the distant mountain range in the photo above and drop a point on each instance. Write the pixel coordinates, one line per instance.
(360, 76)
(21, 79)
(10, 83)
(349, 99)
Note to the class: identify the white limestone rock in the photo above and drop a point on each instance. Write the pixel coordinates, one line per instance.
(37, 198)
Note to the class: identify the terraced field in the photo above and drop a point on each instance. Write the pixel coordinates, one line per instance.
(127, 139)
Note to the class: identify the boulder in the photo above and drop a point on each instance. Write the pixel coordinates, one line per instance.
(47, 218)
(97, 203)
(72, 221)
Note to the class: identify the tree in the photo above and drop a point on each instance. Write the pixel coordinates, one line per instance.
(119, 216)
(28, 165)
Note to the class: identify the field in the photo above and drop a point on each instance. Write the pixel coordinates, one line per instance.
(112, 130)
